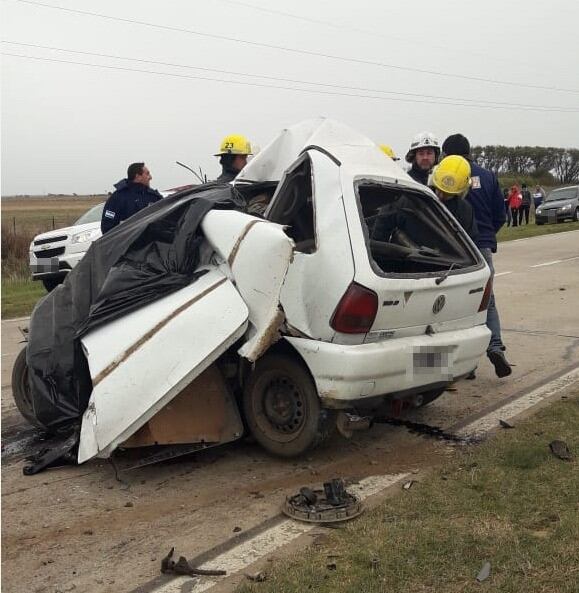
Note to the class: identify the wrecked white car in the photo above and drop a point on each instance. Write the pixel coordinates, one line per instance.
(290, 319)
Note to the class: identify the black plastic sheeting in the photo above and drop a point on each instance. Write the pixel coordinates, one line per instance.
(147, 257)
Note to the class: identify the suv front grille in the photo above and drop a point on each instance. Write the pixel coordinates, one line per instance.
(47, 253)
(50, 240)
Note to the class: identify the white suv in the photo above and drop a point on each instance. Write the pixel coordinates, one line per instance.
(303, 312)
(54, 254)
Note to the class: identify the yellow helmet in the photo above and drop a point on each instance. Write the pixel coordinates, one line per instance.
(234, 144)
(452, 175)
(387, 150)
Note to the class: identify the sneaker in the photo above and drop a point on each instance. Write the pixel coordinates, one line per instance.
(501, 364)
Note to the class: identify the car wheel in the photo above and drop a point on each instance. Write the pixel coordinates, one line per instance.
(21, 389)
(426, 397)
(282, 408)
(576, 215)
(51, 283)
(539, 223)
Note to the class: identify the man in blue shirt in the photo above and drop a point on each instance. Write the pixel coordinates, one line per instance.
(132, 194)
(487, 200)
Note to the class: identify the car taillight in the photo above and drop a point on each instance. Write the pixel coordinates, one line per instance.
(484, 304)
(356, 310)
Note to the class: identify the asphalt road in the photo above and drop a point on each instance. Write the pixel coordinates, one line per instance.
(85, 529)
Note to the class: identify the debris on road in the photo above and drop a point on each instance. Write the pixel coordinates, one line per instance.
(561, 450)
(485, 572)
(333, 504)
(182, 567)
(506, 424)
(409, 484)
(257, 577)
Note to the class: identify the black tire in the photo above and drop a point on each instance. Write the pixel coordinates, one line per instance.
(21, 389)
(51, 283)
(427, 397)
(282, 408)
(539, 223)
(576, 215)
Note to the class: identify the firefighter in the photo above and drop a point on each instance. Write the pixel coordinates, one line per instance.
(423, 155)
(486, 198)
(387, 150)
(451, 182)
(233, 154)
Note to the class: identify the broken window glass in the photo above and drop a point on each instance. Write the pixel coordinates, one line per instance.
(408, 233)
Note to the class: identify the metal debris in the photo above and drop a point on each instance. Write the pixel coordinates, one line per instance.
(506, 424)
(409, 484)
(182, 567)
(257, 577)
(485, 572)
(561, 450)
(333, 504)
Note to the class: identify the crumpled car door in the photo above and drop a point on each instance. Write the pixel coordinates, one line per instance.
(140, 362)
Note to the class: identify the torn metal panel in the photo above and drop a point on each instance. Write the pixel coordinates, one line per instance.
(146, 358)
(258, 254)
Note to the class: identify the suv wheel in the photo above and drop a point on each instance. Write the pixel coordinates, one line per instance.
(282, 408)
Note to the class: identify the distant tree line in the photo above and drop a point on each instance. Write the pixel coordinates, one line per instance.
(534, 161)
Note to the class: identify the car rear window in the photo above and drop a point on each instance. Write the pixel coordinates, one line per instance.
(409, 233)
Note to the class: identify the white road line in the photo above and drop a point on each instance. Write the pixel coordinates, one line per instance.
(491, 420)
(244, 554)
(502, 274)
(557, 261)
(549, 263)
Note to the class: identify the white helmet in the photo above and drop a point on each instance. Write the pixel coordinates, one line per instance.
(423, 140)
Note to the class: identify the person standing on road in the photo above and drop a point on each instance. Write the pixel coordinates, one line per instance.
(525, 207)
(538, 196)
(233, 153)
(515, 200)
(487, 201)
(132, 194)
(507, 209)
(423, 155)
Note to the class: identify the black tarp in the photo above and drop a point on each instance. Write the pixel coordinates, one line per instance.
(150, 255)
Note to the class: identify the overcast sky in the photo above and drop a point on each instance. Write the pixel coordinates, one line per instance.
(74, 128)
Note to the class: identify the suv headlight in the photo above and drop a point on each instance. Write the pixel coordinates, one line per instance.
(84, 236)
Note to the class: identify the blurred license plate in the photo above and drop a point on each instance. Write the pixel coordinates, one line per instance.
(45, 264)
(427, 359)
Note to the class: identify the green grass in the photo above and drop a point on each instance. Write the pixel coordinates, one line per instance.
(532, 230)
(19, 297)
(509, 502)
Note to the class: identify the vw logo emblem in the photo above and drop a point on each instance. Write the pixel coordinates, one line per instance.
(439, 304)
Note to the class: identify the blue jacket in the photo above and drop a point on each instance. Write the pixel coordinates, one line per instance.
(486, 199)
(127, 200)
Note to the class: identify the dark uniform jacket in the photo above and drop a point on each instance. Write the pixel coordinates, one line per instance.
(464, 213)
(486, 198)
(419, 174)
(127, 200)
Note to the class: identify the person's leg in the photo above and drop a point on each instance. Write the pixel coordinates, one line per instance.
(527, 212)
(495, 350)
(509, 217)
(514, 216)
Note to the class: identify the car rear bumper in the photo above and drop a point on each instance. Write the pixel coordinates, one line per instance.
(346, 374)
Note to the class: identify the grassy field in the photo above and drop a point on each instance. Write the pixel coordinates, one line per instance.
(509, 502)
(39, 214)
(19, 297)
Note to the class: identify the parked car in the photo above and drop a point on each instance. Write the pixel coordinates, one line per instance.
(298, 321)
(560, 205)
(55, 253)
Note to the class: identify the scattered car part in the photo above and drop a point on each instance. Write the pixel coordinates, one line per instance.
(347, 423)
(333, 504)
(505, 424)
(60, 452)
(256, 577)
(484, 573)
(182, 567)
(561, 450)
